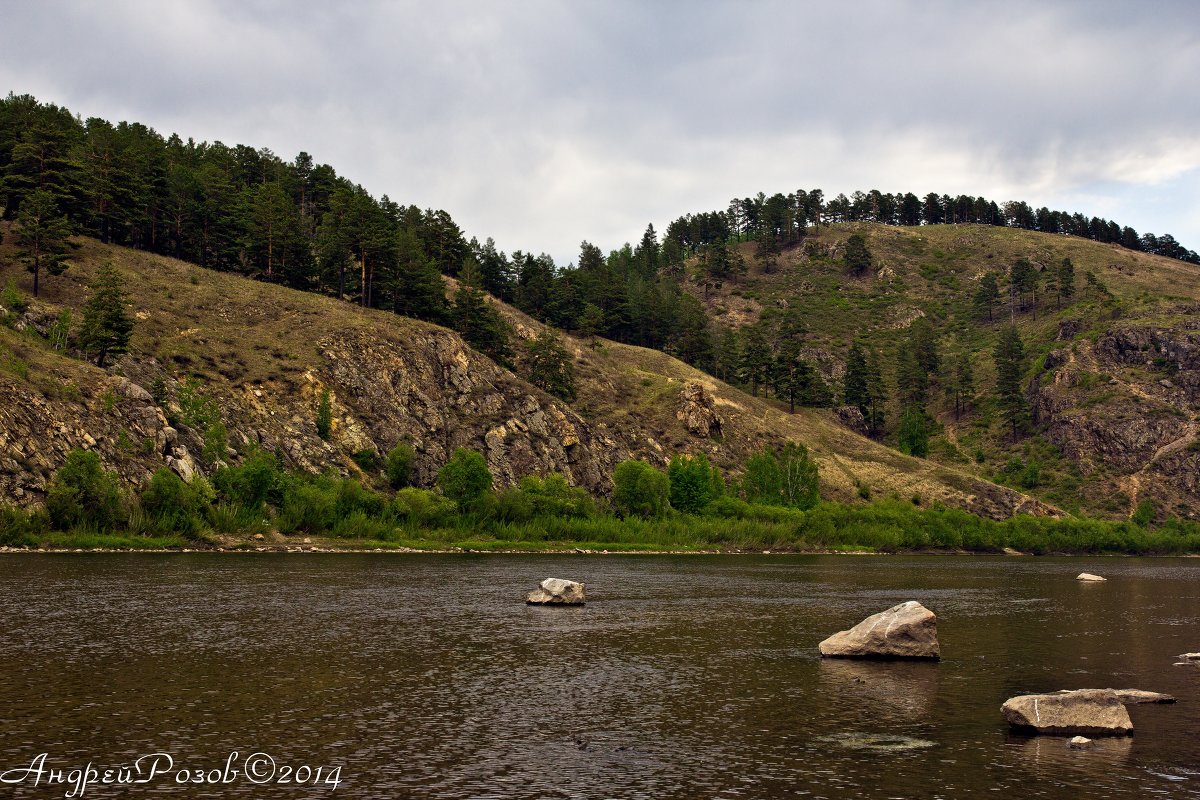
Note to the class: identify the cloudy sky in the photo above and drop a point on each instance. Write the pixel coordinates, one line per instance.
(546, 123)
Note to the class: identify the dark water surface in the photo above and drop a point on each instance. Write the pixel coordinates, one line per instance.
(425, 676)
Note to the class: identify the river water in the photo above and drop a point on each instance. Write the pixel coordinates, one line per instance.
(425, 676)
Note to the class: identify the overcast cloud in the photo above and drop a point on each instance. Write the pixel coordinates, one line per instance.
(545, 123)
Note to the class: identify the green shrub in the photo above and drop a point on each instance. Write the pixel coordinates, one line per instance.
(216, 443)
(423, 508)
(19, 527)
(309, 505)
(324, 415)
(366, 459)
(257, 480)
(639, 490)
(1145, 513)
(82, 493)
(354, 498)
(398, 465)
(787, 477)
(465, 477)
(914, 432)
(694, 483)
(171, 505)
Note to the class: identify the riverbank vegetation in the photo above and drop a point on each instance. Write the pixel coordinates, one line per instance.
(774, 506)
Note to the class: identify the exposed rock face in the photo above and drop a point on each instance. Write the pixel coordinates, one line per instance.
(908, 630)
(1129, 404)
(557, 592)
(93, 411)
(1086, 712)
(1087, 576)
(853, 419)
(696, 411)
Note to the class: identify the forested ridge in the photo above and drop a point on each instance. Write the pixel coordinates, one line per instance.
(249, 211)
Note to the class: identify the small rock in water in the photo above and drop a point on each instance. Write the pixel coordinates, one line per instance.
(908, 630)
(1087, 576)
(1080, 742)
(1189, 656)
(557, 592)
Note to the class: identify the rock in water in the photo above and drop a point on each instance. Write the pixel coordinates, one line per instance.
(557, 592)
(1080, 742)
(1085, 712)
(1087, 576)
(908, 630)
(1140, 696)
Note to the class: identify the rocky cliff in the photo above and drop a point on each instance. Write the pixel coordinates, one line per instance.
(261, 357)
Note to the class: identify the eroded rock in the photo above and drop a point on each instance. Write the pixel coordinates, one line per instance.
(908, 630)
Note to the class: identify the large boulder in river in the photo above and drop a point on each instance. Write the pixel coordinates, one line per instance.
(908, 630)
(1085, 712)
(557, 592)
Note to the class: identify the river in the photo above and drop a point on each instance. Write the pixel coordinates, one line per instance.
(426, 676)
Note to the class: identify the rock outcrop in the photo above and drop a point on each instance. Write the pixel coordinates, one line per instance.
(557, 592)
(1086, 712)
(908, 630)
(696, 411)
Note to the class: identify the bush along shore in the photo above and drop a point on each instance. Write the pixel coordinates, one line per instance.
(774, 506)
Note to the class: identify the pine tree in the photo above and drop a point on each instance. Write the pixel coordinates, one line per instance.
(962, 382)
(551, 367)
(1064, 281)
(858, 258)
(479, 323)
(107, 325)
(756, 359)
(986, 296)
(855, 391)
(912, 382)
(42, 236)
(1009, 357)
(877, 396)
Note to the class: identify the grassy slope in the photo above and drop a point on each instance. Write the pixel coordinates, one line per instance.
(243, 334)
(934, 271)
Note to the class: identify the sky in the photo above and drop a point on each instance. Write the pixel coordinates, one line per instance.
(545, 123)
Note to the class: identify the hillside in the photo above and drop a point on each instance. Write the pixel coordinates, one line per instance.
(261, 356)
(1112, 376)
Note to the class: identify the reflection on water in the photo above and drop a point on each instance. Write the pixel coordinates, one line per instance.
(428, 676)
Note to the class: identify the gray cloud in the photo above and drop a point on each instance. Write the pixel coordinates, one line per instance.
(544, 123)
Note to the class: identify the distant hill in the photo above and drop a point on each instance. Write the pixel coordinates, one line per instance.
(1112, 373)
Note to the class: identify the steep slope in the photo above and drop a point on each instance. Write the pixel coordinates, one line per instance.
(1113, 374)
(262, 356)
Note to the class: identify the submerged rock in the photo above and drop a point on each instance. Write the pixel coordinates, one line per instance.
(908, 630)
(1087, 576)
(1092, 712)
(1080, 742)
(877, 742)
(557, 592)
